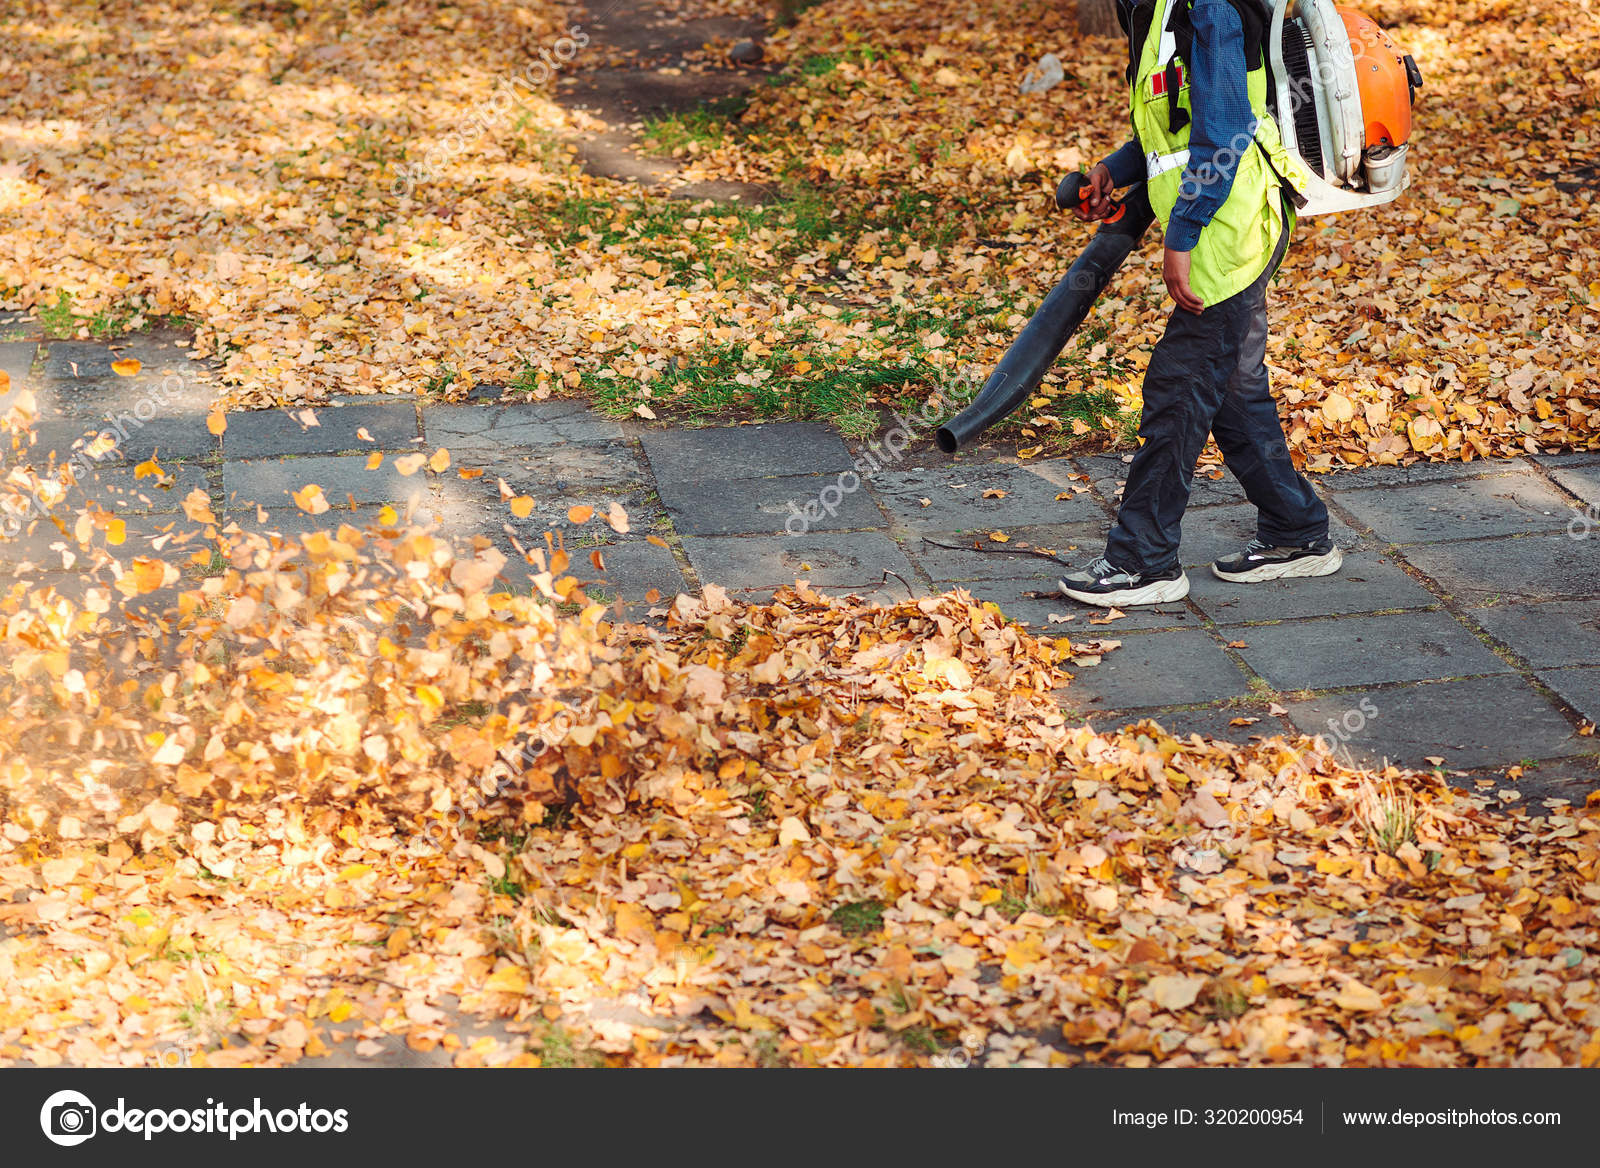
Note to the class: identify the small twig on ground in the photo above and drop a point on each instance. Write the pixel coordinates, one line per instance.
(356, 978)
(910, 591)
(989, 551)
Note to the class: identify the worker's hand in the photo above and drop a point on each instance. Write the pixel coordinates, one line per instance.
(1098, 189)
(1175, 272)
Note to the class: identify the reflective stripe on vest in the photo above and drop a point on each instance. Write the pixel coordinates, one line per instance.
(1155, 164)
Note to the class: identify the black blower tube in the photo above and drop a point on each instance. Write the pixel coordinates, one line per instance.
(1033, 352)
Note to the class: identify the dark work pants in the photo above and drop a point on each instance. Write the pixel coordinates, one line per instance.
(1208, 373)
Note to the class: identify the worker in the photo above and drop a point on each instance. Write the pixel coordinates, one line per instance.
(1222, 188)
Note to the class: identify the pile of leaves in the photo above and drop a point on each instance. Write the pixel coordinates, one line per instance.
(382, 197)
(350, 778)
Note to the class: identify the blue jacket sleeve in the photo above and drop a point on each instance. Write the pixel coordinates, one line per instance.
(1126, 163)
(1222, 123)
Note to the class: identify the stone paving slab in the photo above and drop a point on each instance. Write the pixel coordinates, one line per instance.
(841, 559)
(1532, 567)
(538, 470)
(1468, 723)
(488, 428)
(16, 362)
(43, 544)
(1212, 486)
(956, 501)
(631, 571)
(261, 433)
(1368, 582)
(1545, 635)
(1214, 532)
(1580, 689)
(775, 506)
(1512, 504)
(158, 353)
(1416, 474)
(745, 452)
(270, 482)
(1077, 543)
(117, 488)
(1217, 722)
(1364, 650)
(1157, 669)
(1583, 481)
(1035, 612)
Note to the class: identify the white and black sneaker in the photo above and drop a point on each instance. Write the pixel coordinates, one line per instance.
(1107, 586)
(1260, 562)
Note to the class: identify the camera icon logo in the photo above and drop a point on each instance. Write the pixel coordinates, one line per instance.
(68, 1118)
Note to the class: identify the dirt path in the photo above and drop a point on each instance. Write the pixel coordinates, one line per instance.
(647, 61)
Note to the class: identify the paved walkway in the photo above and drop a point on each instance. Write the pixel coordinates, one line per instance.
(1464, 626)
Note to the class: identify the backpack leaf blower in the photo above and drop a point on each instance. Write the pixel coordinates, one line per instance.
(1341, 93)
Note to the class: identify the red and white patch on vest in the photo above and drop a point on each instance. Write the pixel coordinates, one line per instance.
(1158, 81)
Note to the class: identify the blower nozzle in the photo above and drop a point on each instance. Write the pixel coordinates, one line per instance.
(1044, 336)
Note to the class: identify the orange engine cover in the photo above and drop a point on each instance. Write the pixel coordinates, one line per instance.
(1380, 79)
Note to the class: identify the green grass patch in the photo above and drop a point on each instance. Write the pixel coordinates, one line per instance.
(858, 918)
(708, 126)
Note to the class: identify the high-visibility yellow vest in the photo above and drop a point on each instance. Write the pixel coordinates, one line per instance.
(1237, 244)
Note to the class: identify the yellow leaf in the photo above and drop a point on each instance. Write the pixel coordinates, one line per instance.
(522, 506)
(309, 499)
(388, 517)
(126, 367)
(1338, 408)
(409, 464)
(430, 696)
(374, 461)
(999, 537)
(116, 532)
(509, 980)
(354, 872)
(580, 514)
(440, 462)
(1030, 451)
(217, 423)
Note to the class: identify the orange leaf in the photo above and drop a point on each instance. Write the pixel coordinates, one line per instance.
(440, 462)
(216, 422)
(522, 506)
(580, 514)
(126, 367)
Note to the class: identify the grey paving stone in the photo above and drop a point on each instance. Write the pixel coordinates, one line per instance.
(1214, 532)
(145, 398)
(476, 505)
(39, 542)
(1570, 458)
(1580, 689)
(288, 520)
(1218, 722)
(1532, 567)
(956, 501)
(538, 470)
(490, 427)
(158, 353)
(745, 452)
(167, 437)
(270, 482)
(261, 433)
(1417, 473)
(1035, 612)
(790, 506)
(1509, 504)
(1074, 542)
(1156, 669)
(1545, 635)
(1211, 486)
(19, 326)
(1367, 650)
(1465, 722)
(1582, 481)
(848, 559)
(630, 572)
(16, 362)
(1368, 582)
(117, 488)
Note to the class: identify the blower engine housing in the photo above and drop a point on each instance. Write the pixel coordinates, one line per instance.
(1342, 93)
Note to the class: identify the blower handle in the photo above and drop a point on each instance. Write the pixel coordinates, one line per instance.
(1074, 192)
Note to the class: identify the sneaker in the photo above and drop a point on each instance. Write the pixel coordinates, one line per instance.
(1260, 561)
(1107, 586)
